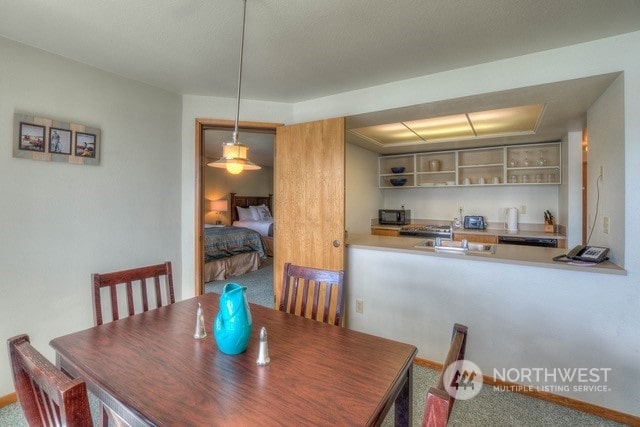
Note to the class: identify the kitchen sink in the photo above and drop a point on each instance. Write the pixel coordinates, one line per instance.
(456, 247)
(482, 247)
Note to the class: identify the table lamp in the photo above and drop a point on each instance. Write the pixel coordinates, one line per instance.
(219, 206)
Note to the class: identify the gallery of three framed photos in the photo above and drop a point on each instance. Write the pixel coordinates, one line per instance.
(41, 138)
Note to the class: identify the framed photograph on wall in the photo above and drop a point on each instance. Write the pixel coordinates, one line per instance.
(49, 139)
(59, 141)
(86, 145)
(31, 137)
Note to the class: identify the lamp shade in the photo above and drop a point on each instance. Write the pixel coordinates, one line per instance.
(219, 205)
(234, 158)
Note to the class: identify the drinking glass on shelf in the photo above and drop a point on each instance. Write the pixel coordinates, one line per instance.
(525, 178)
(513, 179)
(526, 160)
(538, 177)
(513, 162)
(542, 160)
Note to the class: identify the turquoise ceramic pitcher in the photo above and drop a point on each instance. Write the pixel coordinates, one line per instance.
(232, 325)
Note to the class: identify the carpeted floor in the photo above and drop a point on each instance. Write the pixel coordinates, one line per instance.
(259, 284)
(489, 408)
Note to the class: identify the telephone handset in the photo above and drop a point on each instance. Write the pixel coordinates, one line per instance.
(588, 253)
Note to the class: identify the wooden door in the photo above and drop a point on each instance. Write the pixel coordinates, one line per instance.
(309, 187)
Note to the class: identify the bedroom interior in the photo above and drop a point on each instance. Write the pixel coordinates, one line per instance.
(222, 194)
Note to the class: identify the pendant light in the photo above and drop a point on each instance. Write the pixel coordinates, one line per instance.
(234, 154)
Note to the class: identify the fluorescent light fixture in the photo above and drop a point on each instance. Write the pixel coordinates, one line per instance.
(520, 120)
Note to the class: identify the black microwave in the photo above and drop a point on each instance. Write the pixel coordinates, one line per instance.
(394, 216)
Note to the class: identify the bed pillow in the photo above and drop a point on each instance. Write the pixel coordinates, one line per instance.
(261, 212)
(246, 214)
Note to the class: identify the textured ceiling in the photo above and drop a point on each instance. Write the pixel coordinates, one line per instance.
(303, 49)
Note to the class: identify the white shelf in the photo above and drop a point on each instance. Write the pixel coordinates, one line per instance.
(453, 168)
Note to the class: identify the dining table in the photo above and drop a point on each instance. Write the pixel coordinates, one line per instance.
(150, 370)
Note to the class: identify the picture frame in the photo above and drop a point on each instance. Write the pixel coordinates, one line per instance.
(49, 139)
(86, 145)
(59, 141)
(31, 137)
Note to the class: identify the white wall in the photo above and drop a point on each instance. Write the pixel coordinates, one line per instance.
(570, 198)
(606, 138)
(363, 198)
(62, 222)
(442, 202)
(518, 316)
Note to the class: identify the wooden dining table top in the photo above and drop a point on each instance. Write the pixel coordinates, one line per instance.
(151, 365)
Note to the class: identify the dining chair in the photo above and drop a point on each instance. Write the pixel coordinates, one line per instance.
(47, 396)
(440, 403)
(126, 280)
(306, 289)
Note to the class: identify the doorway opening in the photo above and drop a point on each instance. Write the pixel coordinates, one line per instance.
(200, 158)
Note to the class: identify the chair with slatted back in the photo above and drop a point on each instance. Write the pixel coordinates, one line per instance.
(439, 403)
(47, 396)
(312, 293)
(126, 280)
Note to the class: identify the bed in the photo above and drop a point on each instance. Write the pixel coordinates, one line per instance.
(236, 250)
(256, 217)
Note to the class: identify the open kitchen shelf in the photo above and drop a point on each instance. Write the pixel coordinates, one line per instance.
(530, 164)
(534, 164)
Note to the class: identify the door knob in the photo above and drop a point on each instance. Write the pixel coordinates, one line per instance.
(336, 243)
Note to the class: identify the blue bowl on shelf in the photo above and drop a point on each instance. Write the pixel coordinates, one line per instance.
(397, 169)
(398, 181)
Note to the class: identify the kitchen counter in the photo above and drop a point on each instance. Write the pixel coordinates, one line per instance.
(510, 254)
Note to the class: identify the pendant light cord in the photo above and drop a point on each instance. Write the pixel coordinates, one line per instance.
(235, 129)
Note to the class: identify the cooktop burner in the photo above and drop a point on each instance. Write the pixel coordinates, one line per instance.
(427, 230)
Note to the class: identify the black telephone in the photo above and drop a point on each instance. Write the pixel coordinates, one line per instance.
(588, 254)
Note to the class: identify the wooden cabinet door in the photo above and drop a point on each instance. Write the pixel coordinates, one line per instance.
(309, 187)
(384, 232)
(476, 238)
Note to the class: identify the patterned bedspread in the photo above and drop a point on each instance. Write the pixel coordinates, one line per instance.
(223, 242)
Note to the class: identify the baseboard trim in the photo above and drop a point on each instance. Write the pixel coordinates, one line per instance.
(578, 405)
(8, 399)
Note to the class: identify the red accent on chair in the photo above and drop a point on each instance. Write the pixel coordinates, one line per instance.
(439, 403)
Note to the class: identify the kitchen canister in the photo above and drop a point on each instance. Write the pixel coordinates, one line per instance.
(232, 325)
(434, 165)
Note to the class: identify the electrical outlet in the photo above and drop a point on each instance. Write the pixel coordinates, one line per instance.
(359, 306)
(523, 209)
(605, 225)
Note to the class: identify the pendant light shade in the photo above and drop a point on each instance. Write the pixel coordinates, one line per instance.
(234, 158)
(234, 154)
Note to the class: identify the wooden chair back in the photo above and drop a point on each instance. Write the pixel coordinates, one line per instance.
(47, 396)
(439, 403)
(312, 293)
(125, 281)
